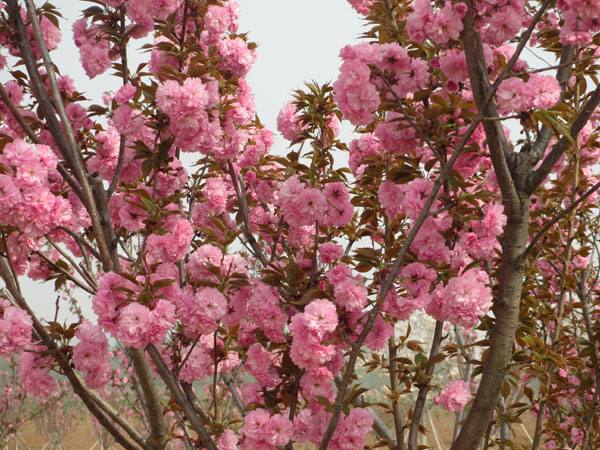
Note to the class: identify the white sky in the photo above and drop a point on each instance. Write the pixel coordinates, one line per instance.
(297, 41)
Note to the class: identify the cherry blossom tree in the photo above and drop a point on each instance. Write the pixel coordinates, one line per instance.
(249, 284)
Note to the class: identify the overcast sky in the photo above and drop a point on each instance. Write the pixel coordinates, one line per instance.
(297, 41)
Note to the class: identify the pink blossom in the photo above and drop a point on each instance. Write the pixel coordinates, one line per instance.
(132, 325)
(361, 6)
(378, 336)
(261, 430)
(350, 295)
(454, 65)
(401, 308)
(418, 24)
(446, 25)
(264, 311)
(396, 138)
(321, 315)
(546, 90)
(503, 26)
(237, 57)
(202, 260)
(15, 328)
(228, 440)
(391, 197)
(95, 59)
(514, 96)
(261, 365)
(125, 93)
(162, 319)
(330, 252)
(317, 382)
(467, 298)
(336, 194)
(220, 19)
(356, 96)
(33, 371)
(454, 396)
(415, 195)
(299, 204)
(288, 122)
(201, 312)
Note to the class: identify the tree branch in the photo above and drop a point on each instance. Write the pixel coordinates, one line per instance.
(158, 427)
(180, 398)
(556, 219)
(538, 176)
(397, 414)
(413, 432)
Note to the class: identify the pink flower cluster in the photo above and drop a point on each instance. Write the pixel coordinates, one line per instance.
(264, 311)
(580, 21)
(348, 292)
(356, 89)
(416, 279)
(330, 252)
(408, 199)
(144, 12)
(89, 355)
(288, 122)
(15, 328)
(95, 54)
(504, 21)
(355, 95)
(262, 365)
(201, 361)
(482, 242)
(465, 299)
(201, 312)
(27, 201)
(186, 105)
(367, 146)
(170, 247)
(361, 6)
(237, 58)
(33, 370)
(265, 431)
(106, 158)
(221, 19)
(350, 434)
(302, 205)
(136, 325)
(50, 33)
(308, 331)
(441, 26)
(395, 137)
(515, 95)
(454, 396)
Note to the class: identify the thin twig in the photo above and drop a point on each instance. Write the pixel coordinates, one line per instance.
(556, 219)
